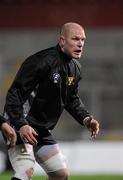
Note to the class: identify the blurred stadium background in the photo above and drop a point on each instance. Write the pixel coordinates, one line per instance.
(27, 26)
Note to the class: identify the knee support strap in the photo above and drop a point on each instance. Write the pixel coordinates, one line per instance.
(22, 160)
(55, 163)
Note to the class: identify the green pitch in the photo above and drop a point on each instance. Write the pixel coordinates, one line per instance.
(7, 176)
(88, 178)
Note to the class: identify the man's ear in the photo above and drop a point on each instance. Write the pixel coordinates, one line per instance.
(62, 41)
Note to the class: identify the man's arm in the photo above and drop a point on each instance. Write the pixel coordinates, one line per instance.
(8, 131)
(77, 109)
(24, 83)
(75, 106)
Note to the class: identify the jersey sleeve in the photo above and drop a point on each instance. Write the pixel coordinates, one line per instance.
(24, 83)
(2, 120)
(76, 107)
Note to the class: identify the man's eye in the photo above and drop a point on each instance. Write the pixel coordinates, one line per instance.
(76, 39)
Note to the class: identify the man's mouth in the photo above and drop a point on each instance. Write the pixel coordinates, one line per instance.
(78, 51)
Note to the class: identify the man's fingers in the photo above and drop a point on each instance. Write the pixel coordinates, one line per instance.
(28, 134)
(93, 134)
(33, 139)
(11, 137)
(33, 136)
(94, 131)
(29, 138)
(92, 125)
(8, 142)
(34, 132)
(11, 141)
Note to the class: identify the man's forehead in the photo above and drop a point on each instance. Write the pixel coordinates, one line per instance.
(76, 32)
(74, 27)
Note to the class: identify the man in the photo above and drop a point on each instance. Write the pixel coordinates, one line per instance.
(56, 73)
(8, 131)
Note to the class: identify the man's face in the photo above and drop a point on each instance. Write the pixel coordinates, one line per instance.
(73, 42)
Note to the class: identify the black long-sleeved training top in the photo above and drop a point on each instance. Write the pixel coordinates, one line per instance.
(56, 75)
(2, 120)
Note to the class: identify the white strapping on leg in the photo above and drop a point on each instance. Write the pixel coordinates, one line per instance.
(54, 163)
(22, 160)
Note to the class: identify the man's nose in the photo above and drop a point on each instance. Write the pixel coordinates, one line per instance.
(80, 44)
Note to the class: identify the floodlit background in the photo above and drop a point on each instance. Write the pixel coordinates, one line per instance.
(27, 26)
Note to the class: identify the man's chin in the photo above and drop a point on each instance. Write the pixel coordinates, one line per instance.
(76, 56)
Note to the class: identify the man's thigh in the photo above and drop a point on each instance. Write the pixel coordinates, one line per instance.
(50, 158)
(22, 160)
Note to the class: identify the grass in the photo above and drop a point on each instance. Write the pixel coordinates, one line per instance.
(8, 175)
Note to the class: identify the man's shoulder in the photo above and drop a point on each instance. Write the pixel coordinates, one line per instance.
(49, 52)
(44, 55)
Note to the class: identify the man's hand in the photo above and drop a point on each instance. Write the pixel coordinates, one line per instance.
(92, 125)
(10, 134)
(28, 134)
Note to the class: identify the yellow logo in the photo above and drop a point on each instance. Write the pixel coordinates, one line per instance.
(70, 80)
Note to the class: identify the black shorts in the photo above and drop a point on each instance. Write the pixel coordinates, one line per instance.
(44, 137)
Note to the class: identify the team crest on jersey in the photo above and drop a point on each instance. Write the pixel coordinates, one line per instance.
(70, 80)
(56, 77)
